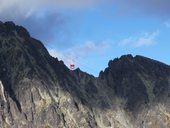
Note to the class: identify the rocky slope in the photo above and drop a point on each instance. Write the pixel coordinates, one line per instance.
(38, 91)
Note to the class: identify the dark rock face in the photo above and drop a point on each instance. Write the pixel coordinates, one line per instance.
(130, 77)
(37, 90)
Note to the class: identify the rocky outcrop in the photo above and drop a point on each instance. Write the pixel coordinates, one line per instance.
(38, 91)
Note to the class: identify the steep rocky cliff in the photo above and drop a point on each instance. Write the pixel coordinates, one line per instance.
(38, 91)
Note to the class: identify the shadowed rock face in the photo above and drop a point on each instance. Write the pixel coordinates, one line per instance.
(137, 79)
(37, 90)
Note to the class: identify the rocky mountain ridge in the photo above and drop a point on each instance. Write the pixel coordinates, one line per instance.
(38, 91)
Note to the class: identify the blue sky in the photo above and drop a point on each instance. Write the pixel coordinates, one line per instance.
(90, 33)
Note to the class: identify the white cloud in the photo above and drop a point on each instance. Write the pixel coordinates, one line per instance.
(80, 52)
(90, 47)
(145, 40)
(67, 58)
(55, 53)
(167, 24)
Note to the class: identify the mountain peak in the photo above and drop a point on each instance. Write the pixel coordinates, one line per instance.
(134, 60)
(128, 56)
(122, 72)
(9, 28)
(42, 92)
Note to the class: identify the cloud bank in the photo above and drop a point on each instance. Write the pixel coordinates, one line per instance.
(25, 9)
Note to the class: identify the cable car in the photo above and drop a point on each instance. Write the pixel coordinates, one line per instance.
(72, 66)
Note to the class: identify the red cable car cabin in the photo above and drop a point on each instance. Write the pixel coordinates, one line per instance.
(72, 66)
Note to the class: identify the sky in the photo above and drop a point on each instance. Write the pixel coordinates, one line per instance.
(89, 33)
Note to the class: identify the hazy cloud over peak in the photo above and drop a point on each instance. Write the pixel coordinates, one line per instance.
(81, 51)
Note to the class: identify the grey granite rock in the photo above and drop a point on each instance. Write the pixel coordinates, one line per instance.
(38, 91)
